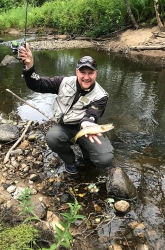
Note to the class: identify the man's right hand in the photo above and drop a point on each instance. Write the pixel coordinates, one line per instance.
(26, 55)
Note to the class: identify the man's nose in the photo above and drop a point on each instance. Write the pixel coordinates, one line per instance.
(86, 76)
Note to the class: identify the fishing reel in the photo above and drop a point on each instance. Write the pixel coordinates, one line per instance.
(15, 46)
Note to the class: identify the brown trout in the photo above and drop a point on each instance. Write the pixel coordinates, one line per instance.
(93, 130)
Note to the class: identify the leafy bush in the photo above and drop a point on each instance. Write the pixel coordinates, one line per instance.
(94, 18)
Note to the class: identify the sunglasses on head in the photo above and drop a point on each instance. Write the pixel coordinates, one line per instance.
(90, 61)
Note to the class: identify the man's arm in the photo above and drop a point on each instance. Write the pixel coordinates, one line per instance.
(34, 81)
(42, 84)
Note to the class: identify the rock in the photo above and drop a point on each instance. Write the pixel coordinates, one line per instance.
(53, 220)
(33, 191)
(1, 40)
(32, 137)
(120, 185)
(122, 206)
(142, 247)
(18, 192)
(8, 132)
(2, 200)
(115, 247)
(24, 145)
(39, 209)
(33, 177)
(64, 198)
(17, 151)
(11, 189)
(8, 60)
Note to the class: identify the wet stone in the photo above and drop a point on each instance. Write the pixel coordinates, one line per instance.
(119, 184)
(8, 60)
(64, 198)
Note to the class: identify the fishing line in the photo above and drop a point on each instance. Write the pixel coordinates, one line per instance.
(26, 14)
(16, 45)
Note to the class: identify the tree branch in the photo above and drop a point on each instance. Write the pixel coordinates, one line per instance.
(29, 104)
(16, 143)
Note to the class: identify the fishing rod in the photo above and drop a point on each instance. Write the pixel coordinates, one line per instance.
(15, 46)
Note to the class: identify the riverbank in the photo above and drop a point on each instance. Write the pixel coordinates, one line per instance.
(146, 45)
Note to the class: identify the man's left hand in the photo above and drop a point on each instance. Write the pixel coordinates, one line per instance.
(93, 137)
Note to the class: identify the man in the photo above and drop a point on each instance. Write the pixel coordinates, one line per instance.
(81, 101)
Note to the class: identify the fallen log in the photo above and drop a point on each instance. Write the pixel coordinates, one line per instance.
(159, 34)
(147, 47)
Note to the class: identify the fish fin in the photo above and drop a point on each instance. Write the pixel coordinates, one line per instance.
(73, 140)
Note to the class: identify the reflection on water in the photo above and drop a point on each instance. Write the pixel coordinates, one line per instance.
(136, 106)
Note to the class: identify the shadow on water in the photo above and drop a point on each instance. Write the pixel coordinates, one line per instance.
(136, 107)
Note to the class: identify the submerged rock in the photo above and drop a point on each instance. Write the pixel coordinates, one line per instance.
(120, 185)
(8, 60)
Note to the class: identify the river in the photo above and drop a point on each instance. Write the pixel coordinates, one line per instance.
(136, 107)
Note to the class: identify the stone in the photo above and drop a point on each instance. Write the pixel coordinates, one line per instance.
(24, 145)
(39, 209)
(17, 151)
(8, 132)
(114, 247)
(2, 200)
(53, 220)
(142, 247)
(32, 137)
(18, 192)
(33, 177)
(8, 60)
(11, 189)
(122, 206)
(120, 185)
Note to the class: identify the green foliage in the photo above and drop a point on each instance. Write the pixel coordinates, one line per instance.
(25, 199)
(64, 237)
(18, 237)
(93, 18)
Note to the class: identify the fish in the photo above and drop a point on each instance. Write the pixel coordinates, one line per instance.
(92, 130)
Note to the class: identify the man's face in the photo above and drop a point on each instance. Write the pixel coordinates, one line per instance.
(86, 77)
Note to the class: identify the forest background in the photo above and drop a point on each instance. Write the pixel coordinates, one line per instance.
(92, 18)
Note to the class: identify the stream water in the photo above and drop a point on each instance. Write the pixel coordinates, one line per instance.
(136, 107)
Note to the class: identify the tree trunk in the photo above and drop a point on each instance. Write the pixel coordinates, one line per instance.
(129, 11)
(159, 22)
